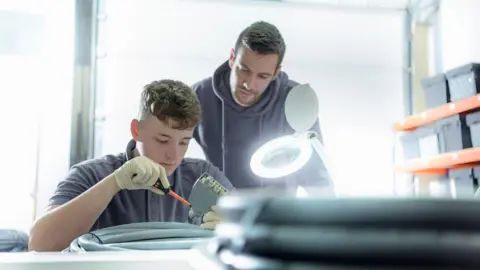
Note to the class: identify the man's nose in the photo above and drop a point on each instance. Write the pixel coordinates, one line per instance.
(171, 153)
(249, 82)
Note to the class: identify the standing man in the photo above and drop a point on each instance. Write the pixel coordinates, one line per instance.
(243, 107)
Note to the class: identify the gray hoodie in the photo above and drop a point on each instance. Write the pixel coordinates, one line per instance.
(229, 134)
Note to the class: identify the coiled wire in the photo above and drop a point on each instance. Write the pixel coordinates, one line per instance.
(141, 236)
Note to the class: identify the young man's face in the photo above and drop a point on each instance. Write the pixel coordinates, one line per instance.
(251, 74)
(162, 143)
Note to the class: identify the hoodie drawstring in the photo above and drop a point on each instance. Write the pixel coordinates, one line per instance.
(260, 130)
(223, 138)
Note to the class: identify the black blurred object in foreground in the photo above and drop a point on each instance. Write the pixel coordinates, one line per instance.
(262, 232)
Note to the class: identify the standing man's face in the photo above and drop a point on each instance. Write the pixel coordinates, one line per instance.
(251, 74)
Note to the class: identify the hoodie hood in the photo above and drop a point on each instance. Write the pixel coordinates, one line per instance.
(221, 87)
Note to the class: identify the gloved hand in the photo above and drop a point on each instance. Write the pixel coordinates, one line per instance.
(210, 219)
(141, 173)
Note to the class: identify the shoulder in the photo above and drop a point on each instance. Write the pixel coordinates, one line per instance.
(284, 89)
(199, 86)
(84, 175)
(192, 168)
(287, 84)
(290, 85)
(97, 168)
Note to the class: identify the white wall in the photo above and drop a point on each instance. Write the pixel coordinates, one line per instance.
(459, 34)
(352, 59)
(35, 103)
(56, 98)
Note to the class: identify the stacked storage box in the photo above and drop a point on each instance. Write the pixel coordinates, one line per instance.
(464, 182)
(463, 82)
(446, 135)
(473, 122)
(453, 133)
(436, 91)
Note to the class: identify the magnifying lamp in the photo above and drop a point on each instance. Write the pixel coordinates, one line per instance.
(287, 154)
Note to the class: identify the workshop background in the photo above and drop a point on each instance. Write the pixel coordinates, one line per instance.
(72, 71)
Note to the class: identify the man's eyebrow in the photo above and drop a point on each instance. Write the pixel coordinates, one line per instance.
(244, 66)
(262, 73)
(164, 135)
(168, 136)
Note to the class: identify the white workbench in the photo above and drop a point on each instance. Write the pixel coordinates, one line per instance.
(169, 259)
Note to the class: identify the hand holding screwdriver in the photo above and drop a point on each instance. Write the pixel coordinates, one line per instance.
(142, 173)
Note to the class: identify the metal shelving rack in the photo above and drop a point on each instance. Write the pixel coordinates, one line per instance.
(440, 164)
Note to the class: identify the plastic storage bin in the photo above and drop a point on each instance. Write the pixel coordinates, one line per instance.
(410, 145)
(463, 183)
(473, 121)
(476, 175)
(428, 141)
(436, 91)
(476, 172)
(433, 186)
(464, 81)
(454, 133)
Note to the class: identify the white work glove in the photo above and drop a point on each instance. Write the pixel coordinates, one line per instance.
(141, 173)
(210, 219)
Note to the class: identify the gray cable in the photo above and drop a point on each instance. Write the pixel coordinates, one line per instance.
(142, 236)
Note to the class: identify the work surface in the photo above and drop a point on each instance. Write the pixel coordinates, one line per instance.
(168, 259)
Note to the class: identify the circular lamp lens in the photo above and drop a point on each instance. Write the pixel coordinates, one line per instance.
(281, 156)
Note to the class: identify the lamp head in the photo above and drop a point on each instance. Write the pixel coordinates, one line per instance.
(301, 108)
(281, 156)
(287, 154)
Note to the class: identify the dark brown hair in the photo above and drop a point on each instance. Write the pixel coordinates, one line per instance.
(171, 100)
(263, 38)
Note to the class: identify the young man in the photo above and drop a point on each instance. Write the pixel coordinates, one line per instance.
(117, 189)
(243, 107)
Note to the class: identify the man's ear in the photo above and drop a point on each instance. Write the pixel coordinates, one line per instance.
(277, 71)
(231, 58)
(134, 126)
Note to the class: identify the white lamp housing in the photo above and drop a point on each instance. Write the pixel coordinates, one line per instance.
(281, 156)
(287, 154)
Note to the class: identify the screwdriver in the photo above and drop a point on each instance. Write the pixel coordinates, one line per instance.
(170, 192)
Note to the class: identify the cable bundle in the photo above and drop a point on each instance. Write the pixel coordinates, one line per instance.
(141, 236)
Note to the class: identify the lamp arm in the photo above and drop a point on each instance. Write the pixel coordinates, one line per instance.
(317, 145)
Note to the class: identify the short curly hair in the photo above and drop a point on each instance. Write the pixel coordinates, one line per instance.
(171, 100)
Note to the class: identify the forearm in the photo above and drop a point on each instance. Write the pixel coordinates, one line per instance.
(59, 227)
